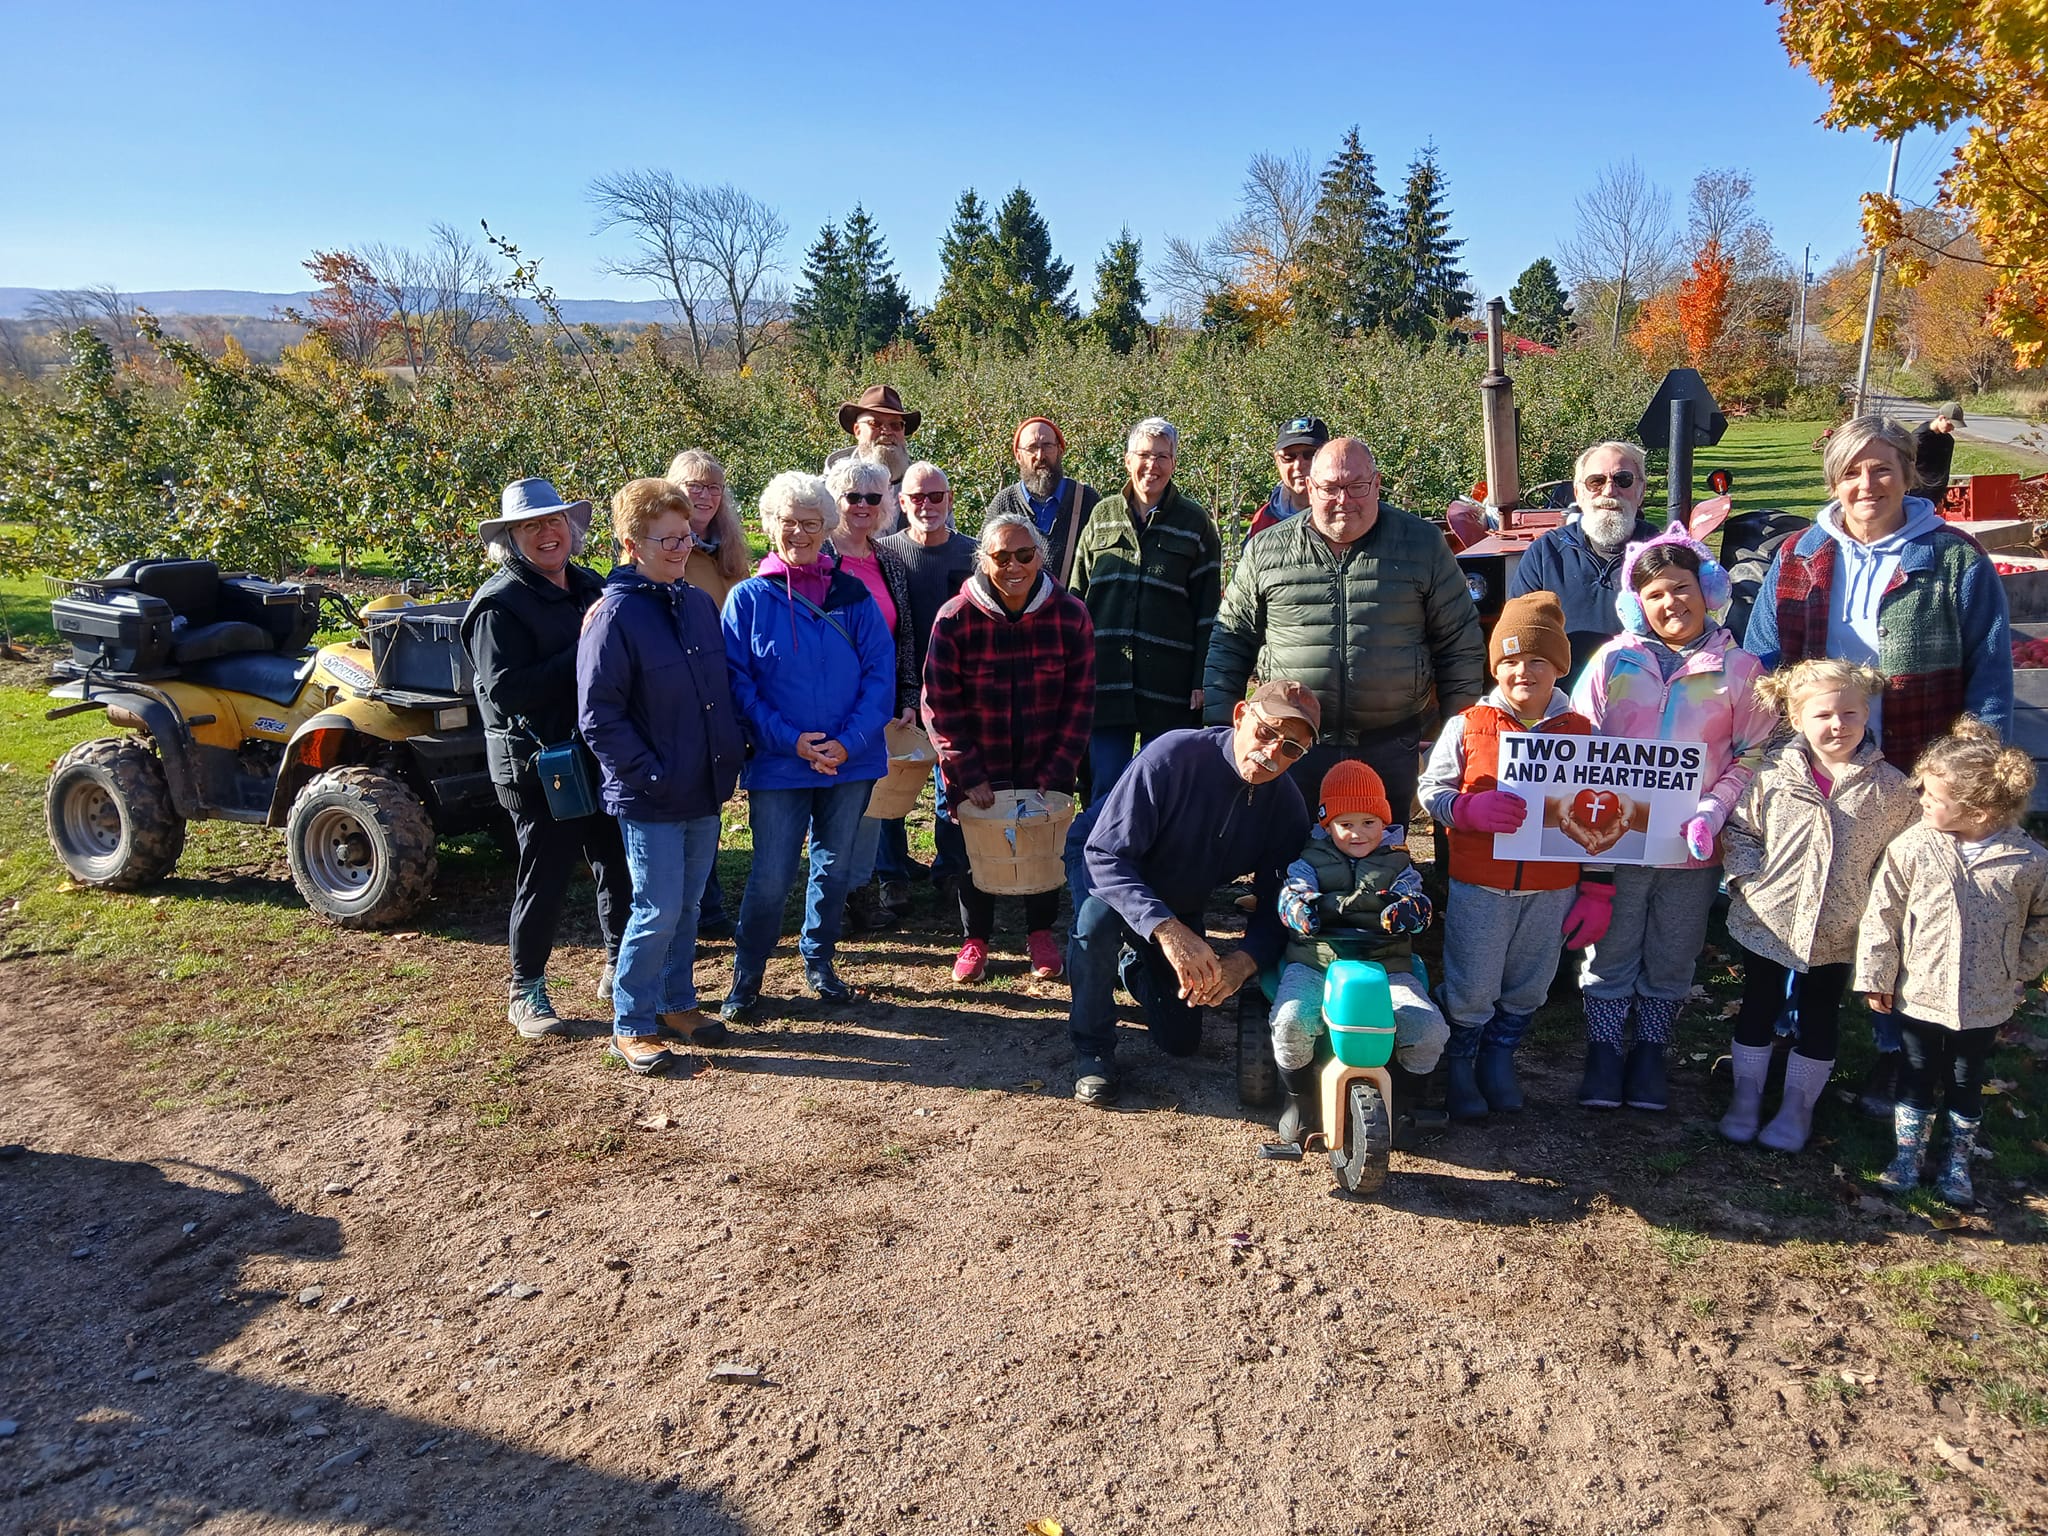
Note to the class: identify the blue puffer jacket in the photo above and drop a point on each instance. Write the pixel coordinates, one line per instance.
(795, 669)
(653, 702)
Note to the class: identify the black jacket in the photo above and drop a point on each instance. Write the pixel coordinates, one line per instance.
(521, 632)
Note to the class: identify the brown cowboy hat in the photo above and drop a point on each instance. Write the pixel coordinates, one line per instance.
(878, 397)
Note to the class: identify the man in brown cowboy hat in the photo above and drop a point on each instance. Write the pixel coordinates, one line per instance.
(878, 424)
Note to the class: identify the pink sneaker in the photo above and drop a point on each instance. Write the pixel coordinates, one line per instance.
(973, 962)
(1046, 961)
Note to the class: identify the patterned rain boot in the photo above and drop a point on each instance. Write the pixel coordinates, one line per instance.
(1497, 1081)
(1805, 1080)
(1910, 1129)
(1606, 1021)
(1462, 1097)
(1643, 1083)
(1953, 1182)
(1745, 1115)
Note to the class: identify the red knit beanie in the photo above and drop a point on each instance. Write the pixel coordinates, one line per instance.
(1353, 789)
(1057, 435)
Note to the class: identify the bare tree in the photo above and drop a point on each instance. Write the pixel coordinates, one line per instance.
(20, 350)
(103, 309)
(1187, 275)
(1275, 206)
(1624, 241)
(654, 208)
(737, 239)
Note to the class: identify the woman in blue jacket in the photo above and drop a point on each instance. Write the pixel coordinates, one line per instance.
(814, 675)
(653, 702)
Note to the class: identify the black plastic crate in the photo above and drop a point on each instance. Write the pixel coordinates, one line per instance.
(115, 631)
(419, 649)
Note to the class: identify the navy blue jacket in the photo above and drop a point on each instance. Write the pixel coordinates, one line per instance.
(653, 702)
(1584, 581)
(1181, 822)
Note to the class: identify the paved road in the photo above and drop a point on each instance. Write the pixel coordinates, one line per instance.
(2006, 431)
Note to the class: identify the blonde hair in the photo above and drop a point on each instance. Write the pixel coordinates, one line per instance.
(1783, 689)
(733, 558)
(1983, 774)
(637, 504)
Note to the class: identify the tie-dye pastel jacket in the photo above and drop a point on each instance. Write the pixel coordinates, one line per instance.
(1711, 698)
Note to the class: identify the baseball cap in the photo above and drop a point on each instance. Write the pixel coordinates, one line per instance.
(1284, 699)
(1303, 429)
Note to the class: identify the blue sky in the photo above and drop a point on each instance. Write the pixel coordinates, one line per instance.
(196, 145)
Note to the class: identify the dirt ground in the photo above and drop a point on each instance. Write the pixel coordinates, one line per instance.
(872, 1271)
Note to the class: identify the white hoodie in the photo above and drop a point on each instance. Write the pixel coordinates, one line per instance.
(1866, 572)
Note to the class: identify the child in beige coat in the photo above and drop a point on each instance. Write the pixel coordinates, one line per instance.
(1799, 854)
(1955, 931)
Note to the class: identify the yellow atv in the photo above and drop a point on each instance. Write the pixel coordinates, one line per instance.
(363, 751)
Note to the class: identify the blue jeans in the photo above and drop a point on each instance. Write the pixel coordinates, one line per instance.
(1109, 754)
(669, 862)
(1102, 950)
(780, 818)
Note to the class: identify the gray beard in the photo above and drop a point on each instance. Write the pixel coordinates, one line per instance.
(1607, 531)
(893, 457)
(1041, 483)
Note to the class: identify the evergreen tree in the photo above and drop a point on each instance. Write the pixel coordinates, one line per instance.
(883, 312)
(1429, 287)
(966, 271)
(1039, 279)
(821, 312)
(1538, 306)
(1347, 258)
(850, 304)
(1118, 316)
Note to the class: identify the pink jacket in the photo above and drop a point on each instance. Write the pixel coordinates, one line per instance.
(1711, 698)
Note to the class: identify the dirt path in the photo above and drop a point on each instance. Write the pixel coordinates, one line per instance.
(969, 1307)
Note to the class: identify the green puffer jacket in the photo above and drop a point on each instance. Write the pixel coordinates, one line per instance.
(1351, 895)
(1152, 593)
(1370, 632)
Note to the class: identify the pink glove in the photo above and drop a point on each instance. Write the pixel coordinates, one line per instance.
(1587, 921)
(1490, 810)
(1699, 838)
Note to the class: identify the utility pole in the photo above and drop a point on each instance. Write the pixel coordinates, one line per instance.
(1891, 182)
(1799, 336)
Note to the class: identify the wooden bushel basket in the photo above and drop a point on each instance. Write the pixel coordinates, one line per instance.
(1015, 846)
(911, 758)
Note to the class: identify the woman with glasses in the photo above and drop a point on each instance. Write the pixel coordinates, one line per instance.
(814, 678)
(866, 509)
(655, 706)
(1581, 562)
(1009, 688)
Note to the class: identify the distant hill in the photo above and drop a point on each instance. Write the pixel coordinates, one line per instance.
(233, 303)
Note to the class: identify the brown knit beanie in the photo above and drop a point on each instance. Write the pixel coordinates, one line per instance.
(1353, 789)
(1530, 625)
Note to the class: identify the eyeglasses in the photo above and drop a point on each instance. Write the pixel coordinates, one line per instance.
(1149, 456)
(1345, 490)
(1013, 556)
(1621, 480)
(803, 526)
(704, 487)
(674, 542)
(857, 498)
(1269, 735)
(926, 498)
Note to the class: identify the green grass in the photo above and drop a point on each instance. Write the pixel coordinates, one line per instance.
(1775, 466)
(1873, 1485)
(1680, 1245)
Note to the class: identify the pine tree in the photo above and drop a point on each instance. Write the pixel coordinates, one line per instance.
(1539, 308)
(1346, 259)
(822, 311)
(1429, 287)
(1118, 316)
(1042, 280)
(966, 272)
(851, 304)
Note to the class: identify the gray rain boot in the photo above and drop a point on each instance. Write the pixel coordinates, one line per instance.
(1805, 1080)
(1462, 1097)
(1745, 1115)
(1953, 1182)
(1910, 1129)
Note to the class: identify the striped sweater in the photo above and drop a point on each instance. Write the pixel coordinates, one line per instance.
(1153, 593)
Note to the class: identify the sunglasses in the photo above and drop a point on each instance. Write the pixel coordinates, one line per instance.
(926, 498)
(858, 498)
(1272, 736)
(674, 542)
(1013, 556)
(1621, 480)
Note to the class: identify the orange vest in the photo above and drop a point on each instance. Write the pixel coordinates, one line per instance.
(1472, 859)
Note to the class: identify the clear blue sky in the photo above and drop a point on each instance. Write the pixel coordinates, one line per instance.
(207, 145)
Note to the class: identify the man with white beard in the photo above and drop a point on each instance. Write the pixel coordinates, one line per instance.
(878, 424)
(1581, 562)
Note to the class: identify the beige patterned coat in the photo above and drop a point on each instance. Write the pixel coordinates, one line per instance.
(1954, 944)
(1799, 863)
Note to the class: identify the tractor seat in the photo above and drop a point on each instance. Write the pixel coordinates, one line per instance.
(191, 587)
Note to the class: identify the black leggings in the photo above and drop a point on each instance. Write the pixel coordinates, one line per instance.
(549, 851)
(1957, 1059)
(1820, 1005)
(978, 910)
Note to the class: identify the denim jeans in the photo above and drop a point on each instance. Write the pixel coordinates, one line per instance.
(1109, 754)
(780, 818)
(670, 861)
(1104, 950)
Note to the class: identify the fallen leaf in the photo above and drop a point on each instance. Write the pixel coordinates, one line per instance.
(656, 1122)
(1860, 1378)
(1960, 1457)
(1944, 1221)
(2039, 1146)
(1032, 1085)
(1045, 1525)
(1730, 1009)
(2017, 1112)
(2000, 1085)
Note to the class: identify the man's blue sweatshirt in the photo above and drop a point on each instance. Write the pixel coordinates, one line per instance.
(1180, 823)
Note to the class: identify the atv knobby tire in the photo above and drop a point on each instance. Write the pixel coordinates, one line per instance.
(110, 814)
(361, 848)
(1258, 1075)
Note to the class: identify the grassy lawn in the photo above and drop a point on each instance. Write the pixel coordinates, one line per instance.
(1775, 466)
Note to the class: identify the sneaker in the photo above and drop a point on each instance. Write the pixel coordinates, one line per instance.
(895, 898)
(642, 1054)
(530, 1012)
(743, 1003)
(823, 983)
(972, 964)
(1046, 961)
(605, 978)
(692, 1027)
(865, 912)
(1095, 1081)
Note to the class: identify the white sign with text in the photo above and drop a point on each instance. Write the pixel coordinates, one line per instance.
(1613, 799)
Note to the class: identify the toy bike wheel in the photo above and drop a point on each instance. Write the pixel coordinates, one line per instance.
(1361, 1165)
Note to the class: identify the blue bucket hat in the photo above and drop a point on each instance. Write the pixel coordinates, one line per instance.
(524, 500)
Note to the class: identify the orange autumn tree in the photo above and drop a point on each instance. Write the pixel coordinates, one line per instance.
(1895, 65)
(1703, 302)
(1657, 333)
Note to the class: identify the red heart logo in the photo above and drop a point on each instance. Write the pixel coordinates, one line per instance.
(1591, 807)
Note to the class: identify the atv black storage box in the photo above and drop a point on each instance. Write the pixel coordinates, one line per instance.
(116, 631)
(419, 649)
(288, 614)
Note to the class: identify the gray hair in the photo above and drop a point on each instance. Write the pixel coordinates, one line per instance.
(500, 549)
(1852, 437)
(1151, 427)
(792, 491)
(1628, 451)
(992, 527)
(862, 473)
(929, 468)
